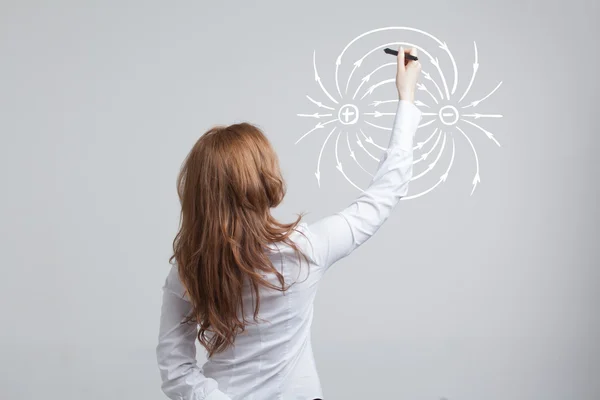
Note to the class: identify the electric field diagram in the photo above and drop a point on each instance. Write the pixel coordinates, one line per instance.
(355, 110)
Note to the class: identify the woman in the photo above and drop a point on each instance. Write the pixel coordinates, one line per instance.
(242, 283)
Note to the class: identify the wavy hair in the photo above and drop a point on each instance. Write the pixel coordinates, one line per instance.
(227, 185)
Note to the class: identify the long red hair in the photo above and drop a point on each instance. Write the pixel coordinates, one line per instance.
(227, 185)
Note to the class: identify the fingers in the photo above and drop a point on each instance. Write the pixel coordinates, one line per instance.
(414, 64)
(408, 73)
(400, 57)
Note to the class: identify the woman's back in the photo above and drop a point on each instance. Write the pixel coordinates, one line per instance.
(274, 355)
(272, 358)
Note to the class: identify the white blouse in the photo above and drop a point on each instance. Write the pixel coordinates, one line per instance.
(274, 360)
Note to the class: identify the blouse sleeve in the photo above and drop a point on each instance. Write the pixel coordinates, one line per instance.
(182, 379)
(336, 236)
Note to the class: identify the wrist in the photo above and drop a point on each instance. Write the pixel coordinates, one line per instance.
(407, 96)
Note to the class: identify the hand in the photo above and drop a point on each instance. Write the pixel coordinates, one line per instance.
(407, 75)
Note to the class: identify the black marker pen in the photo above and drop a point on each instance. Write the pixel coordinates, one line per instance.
(407, 56)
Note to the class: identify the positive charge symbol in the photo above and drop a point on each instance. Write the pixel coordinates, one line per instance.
(348, 114)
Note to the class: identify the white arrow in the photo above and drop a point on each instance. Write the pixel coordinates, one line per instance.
(378, 102)
(476, 179)
(442, 178)
(476, 102)
(337, 67)
(339, 164)
(362, 146)
(354, 155)
(389, 129)
(366, 78)
(421, 144)
(356, 65)
(378, 114)
(315, 115)
(318, 173)
(436, 62)
(488, 134)
(362, 82)
(432, 165)
(420, 103)
(475, 68)
(318, 79)
(369, 139)
(477, 116)
(442, 45)
(418, 160)
(318, 103)
(425, 155)
(408, 44)
(422, 87)
(428, 77)
(445, 175)
(318, 126)
(373, 87)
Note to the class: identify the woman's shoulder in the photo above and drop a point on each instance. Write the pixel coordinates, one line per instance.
(302, 237)
(173, 283)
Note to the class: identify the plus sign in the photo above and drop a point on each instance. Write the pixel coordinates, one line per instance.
(347, 113)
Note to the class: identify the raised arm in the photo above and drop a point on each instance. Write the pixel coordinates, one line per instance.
(337, 235)
(181, 377)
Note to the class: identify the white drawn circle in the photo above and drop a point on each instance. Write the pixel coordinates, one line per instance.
(448, 115)
(346, 111)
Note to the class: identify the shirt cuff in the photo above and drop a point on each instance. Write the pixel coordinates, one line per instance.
(406, 122)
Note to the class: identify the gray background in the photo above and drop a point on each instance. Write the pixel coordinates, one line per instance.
(490, 297)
